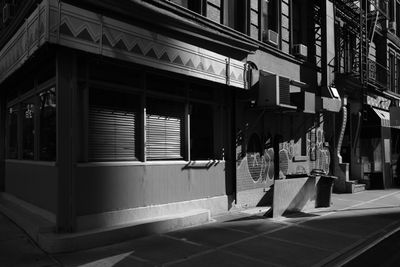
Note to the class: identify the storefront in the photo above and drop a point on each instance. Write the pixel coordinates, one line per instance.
(375, 143)
(395, 138)
(119, 124)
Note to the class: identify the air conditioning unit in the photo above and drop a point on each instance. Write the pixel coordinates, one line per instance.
(392, 26)
(273, 91)
(272, 37)
(300, 50)
(8, 12)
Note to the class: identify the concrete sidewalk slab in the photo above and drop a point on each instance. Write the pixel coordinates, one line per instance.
(210, 236)
(17, 249)
(221, 258)
(252, 225)
(322, 239)
(278, 252)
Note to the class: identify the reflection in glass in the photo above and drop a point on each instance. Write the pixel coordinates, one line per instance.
(12, 132)
(28, 129)
(48, 125)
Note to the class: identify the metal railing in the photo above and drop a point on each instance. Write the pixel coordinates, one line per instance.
(378, 74)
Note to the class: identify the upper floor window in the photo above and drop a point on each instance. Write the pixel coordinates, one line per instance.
(236, 14)
(392, 78)
(397, 75)
(397, 18)
(391, 10)
(194, 5)
(270, 20)
(299, 22)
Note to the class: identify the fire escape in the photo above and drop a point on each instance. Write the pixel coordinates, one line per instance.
(356, 59)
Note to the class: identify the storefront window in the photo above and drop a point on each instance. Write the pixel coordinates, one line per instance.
(201, 132)
(48, 125)
(28, 128)
(164, 129)
(112, 126)
(12, 132)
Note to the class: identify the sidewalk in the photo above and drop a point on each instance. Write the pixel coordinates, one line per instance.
(322, 237)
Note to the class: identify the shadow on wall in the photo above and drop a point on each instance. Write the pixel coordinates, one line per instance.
(267, 199)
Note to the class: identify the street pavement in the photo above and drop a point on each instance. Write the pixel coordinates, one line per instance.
(321, 237)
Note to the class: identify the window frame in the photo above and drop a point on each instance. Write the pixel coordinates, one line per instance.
(397, 86)
(265, 22)
(133, 108)
(215, 100)
(392, 71)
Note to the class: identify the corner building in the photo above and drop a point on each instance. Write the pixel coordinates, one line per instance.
(117, 112)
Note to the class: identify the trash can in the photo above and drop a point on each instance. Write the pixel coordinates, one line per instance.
(324, 191)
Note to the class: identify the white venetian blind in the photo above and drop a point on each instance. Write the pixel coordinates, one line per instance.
(164, 124)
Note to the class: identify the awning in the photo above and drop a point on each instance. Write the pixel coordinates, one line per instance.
(384, 116)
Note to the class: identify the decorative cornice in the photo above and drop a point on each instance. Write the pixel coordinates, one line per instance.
(77, 28)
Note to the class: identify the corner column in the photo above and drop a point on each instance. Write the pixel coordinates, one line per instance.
(66, 138)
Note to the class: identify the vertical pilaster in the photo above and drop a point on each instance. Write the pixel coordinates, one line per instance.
(66, 138)
(328, 43)
(3, 111)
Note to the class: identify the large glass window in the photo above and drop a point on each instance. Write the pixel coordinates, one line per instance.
(12, 133)
(31, 127)
(48, 128)
(28, 129)
(164, 129)
(112, 125)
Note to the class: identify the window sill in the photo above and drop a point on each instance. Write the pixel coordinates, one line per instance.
(32, 162)
(188, 164)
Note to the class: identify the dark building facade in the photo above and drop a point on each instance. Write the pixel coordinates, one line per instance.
(366, 75)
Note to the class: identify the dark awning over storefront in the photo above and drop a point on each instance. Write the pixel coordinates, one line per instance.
(384, 117)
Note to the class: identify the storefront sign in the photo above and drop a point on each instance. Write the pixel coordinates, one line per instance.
(378, 102)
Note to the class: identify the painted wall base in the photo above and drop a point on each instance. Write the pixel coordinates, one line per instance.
(254, 197)
(56, 243)
(216, 205)
(160, 219)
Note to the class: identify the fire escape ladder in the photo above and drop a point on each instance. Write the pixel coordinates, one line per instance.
(317, 18)
(363, 44)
